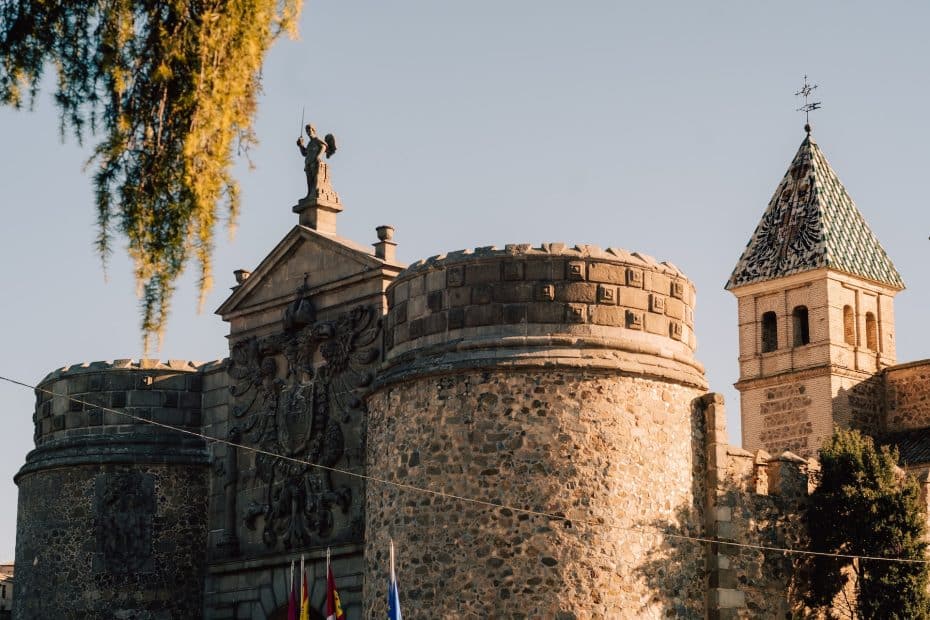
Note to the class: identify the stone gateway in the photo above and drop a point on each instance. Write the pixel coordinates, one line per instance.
(528, 425)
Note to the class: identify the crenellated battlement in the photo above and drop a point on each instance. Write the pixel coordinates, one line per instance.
(580, 306)
(81, 401)
(787, 474)
(548, 249)
(126, 364)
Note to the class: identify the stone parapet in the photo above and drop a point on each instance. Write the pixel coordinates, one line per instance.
(95, 410)
(542, 306)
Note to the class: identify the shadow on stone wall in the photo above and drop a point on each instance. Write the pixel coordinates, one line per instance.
(674, 570)
(752, 506)
(861, 407)
(762, 583)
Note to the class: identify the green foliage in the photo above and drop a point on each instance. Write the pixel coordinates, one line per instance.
(170, 87)
(864, 505)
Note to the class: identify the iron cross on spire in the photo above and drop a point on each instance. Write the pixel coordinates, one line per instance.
(809, 106)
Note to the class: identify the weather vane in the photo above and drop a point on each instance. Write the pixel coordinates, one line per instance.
(809, 106)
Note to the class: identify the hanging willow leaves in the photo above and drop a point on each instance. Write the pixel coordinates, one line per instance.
(170, 88)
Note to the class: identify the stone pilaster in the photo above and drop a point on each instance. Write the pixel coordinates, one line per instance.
(724, 599)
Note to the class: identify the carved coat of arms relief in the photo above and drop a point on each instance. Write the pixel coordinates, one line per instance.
(293, 394)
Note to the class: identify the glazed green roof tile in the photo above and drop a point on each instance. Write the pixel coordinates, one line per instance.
(811, 222)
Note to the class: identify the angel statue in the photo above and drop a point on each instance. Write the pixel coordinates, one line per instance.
(313, 158)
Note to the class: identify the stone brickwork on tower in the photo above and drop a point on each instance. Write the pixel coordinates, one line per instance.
(558, 380)
(520, 290)
(112, 511)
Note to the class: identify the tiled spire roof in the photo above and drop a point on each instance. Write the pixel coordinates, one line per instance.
(811, 222)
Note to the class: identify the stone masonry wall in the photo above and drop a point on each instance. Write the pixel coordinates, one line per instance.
(859, 403)
(259, 590)
(525, 296)
(907, 394)
(550, 379)
(767, 498)
(781, 414)
(753, 499)
(81, 556)
(112, 510)
(618, 456)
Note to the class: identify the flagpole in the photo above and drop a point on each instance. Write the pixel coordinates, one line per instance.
(304, 603)
(393, 595)
(291, 602)
(393, 576)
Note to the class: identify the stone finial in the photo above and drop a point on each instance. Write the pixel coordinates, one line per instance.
(385, 232)
(385, 249)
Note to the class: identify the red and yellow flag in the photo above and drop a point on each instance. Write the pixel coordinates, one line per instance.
(333, 604)
(304, 598)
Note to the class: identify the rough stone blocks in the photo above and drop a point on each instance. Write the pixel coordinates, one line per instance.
(544, 286)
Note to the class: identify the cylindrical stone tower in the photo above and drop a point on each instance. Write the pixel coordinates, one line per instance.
(112, 511)
(551, 379)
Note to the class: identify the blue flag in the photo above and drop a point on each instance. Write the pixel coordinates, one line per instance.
(393, 601)
(393, 594)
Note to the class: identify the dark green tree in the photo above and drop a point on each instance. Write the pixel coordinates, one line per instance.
(170, 88)
(864, 505)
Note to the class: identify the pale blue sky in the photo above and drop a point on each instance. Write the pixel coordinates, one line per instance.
(657, 127)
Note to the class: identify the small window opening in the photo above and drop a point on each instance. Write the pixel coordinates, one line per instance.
(871, 332)
(849, 326)
(802, 332)
(769, 332)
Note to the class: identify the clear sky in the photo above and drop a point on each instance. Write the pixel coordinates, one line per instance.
(657, 127)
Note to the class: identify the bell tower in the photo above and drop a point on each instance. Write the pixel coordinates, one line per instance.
(815, 294)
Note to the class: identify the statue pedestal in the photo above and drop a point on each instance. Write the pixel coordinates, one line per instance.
(319, 211)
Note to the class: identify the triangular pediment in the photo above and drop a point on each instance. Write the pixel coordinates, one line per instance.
(303, 256)
(810, 223)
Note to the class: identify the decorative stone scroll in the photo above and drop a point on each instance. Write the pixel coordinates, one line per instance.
(288, 403)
